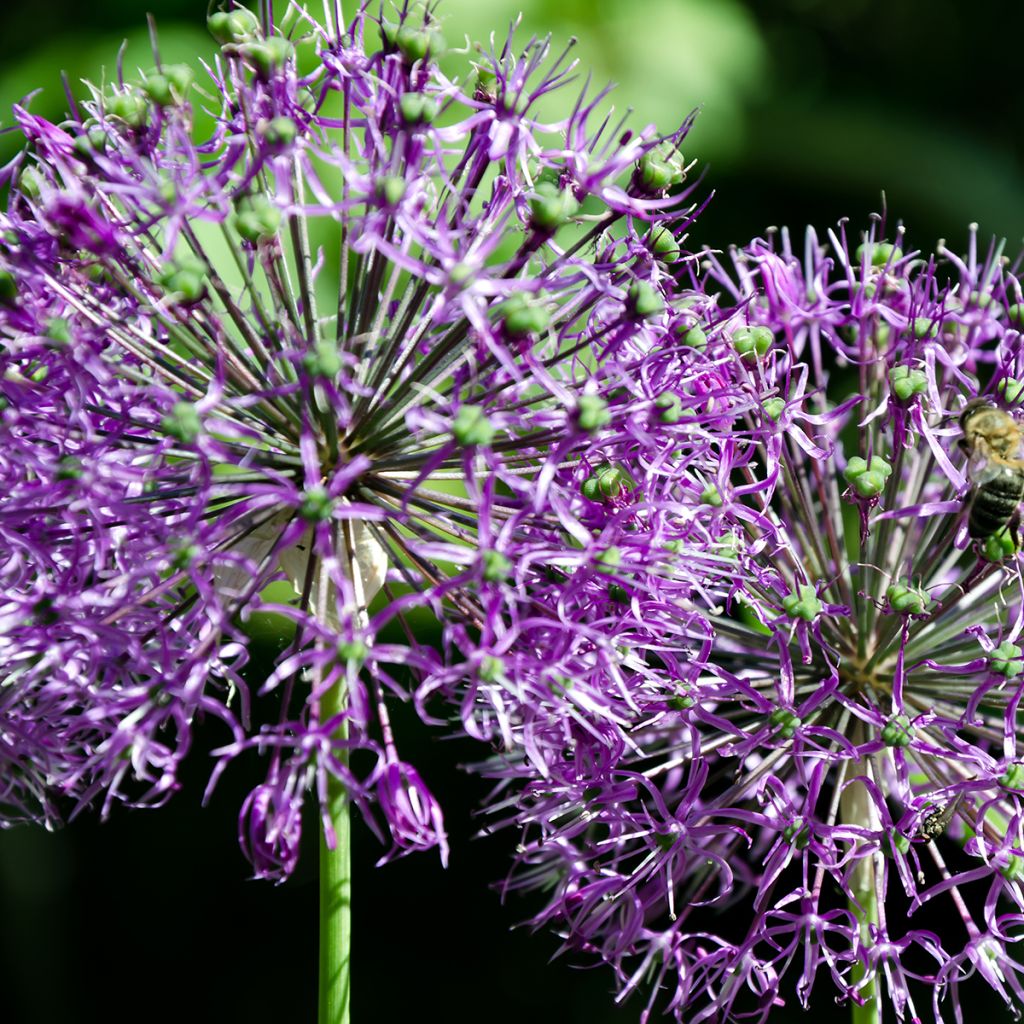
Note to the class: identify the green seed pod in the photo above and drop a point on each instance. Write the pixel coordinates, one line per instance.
(663, 245)
(256, 218)
(692, 337)
(551, 207)
(184, 279)
(472, 427)
(644, 301)
(804, 605)
(1007, 660)
(128, 107)
(592, 413)
(898, 731)
(279, 132)
(324, 361)
(522, 316)
(670, 405)
(750, 343)
(608, 560)
(417, 109)
(168, 86)
(317, 505)
(710, 496)
(496, 568)
(233, 27)
(182, 423)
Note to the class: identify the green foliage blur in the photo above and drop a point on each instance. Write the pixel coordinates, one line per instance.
(810, 109)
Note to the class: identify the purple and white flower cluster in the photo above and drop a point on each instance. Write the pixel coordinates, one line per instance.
(382, 336)
(844, 753)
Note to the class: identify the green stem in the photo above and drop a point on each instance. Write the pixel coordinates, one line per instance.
(335, 895)
(856, 807)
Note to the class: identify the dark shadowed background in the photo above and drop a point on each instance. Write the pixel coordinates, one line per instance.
(810, 109)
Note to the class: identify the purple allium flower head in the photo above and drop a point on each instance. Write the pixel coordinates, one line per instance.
(386, 337)
(844, 756)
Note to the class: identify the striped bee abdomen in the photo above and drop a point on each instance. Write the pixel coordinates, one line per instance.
(995, 501)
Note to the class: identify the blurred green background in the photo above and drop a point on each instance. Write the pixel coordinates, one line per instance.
(809, 110)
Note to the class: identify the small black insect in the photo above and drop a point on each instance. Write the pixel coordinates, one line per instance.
(937, 820)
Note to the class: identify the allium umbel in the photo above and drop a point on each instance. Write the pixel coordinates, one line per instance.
(842, 763)
(379, 337)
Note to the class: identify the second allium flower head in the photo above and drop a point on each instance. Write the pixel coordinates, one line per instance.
(845, 752)
(363, 339)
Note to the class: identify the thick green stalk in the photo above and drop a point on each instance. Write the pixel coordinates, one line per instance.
(857, 808)
(335, 896)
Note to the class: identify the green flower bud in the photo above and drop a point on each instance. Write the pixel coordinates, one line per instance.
(486, 80)
(551, 206)
(787, 722)
(182, 422)
(184, 279)
(878, 253)
(606, 482)
(906, 382)
(169, 85)
(660, 168)
(522, 316)
(92, 142)
(129, 107)
(710, 496)
(268, 54)
(608, 560)
(663, 245)
(798, 833)
(681, 702)
(867, 479)
(897, 732)
(750, 343)
(57, 330)
(496, 567)
(233, 27)
(324, 361)
(670, 405)
(906, 600)
(620, 595)
(354, 652)
(1006, 660)
(1013, 777)
(317, 505)
(390, 189)
(186, 554)
(773, 408)
(924, 327)
(592, 413)
(69, 468)
(692, 337)
(803, 605)
(417, 108)
(491, 669)
(257, 218)
(1016, 314)
(472, 427)
(644, 301)
(30, 183)
(417, 43)
(279, 132)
